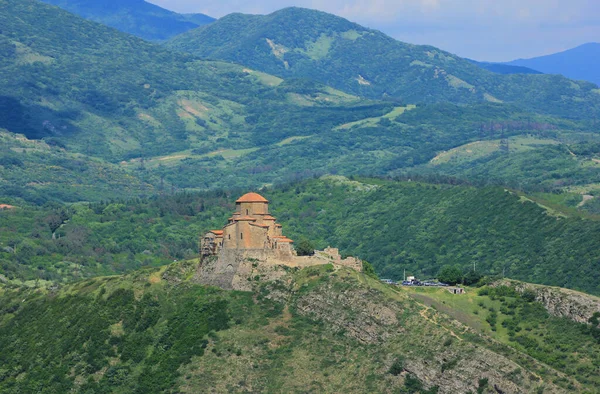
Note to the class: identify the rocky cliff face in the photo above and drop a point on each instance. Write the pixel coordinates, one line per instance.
(560, 302)
(434, 348)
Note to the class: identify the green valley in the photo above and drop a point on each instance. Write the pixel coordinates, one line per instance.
(119, 158)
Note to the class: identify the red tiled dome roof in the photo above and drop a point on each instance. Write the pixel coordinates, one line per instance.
(252, 197)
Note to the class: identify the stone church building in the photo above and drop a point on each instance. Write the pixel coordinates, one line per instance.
(252, 245)
(249, 228)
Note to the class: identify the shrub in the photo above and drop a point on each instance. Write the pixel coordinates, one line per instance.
(305, 248)
(369, 270)
(397, 366)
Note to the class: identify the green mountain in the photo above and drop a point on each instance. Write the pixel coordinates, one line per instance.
(136, 17)
(94, 91)
(159, 121)
(297, 42)
(157, 330)
(579, 63)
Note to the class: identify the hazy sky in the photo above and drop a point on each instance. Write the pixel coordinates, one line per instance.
(493, 30)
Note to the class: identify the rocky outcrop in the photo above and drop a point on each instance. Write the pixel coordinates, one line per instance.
(240, 269)
(432, 352)
(370, 322)
(560, 302)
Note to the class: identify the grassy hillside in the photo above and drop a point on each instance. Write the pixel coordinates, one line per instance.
(136, 17)
(549, 160)
(107, 94)
(305, 43)
(403, 141)
(156, 330)
(38, 172)
(394, 225)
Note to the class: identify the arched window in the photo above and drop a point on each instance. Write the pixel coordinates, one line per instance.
(229, 236)
(241, 235)
(247, 212)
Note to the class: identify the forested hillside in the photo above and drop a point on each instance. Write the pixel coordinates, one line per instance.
(415, 226)
(296, 42)
(39, 171)
(163, 121)
(94, 91)
(423, 227)
(108, 94)
(136, 17)
(157, 330)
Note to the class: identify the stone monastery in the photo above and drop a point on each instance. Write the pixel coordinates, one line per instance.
(252, 245)
(250, 227)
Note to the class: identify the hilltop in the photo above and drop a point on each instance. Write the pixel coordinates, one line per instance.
(157, 330)
(396, 226)
(136, 17)
(297, 42)
(580, 63)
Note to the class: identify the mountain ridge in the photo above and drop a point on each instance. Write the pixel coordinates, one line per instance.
(305, 43)
(579, 63)
(137, 17)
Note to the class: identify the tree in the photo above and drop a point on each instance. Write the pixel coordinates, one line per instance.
(369, 270)
(54, 221)
(450, 274)
(305, 248)
(471, 278)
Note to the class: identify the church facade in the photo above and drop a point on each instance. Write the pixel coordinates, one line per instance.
(251, 227)
(252, 247)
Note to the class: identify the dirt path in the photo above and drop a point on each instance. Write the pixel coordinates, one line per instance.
(423, 314)
(456, 315)
(586, 198)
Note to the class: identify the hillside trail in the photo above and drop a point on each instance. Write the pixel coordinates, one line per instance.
(423, 314)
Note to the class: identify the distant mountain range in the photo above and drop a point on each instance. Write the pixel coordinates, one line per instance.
(136, 17)
(303, 43)
(501, 68)
(580, 63)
